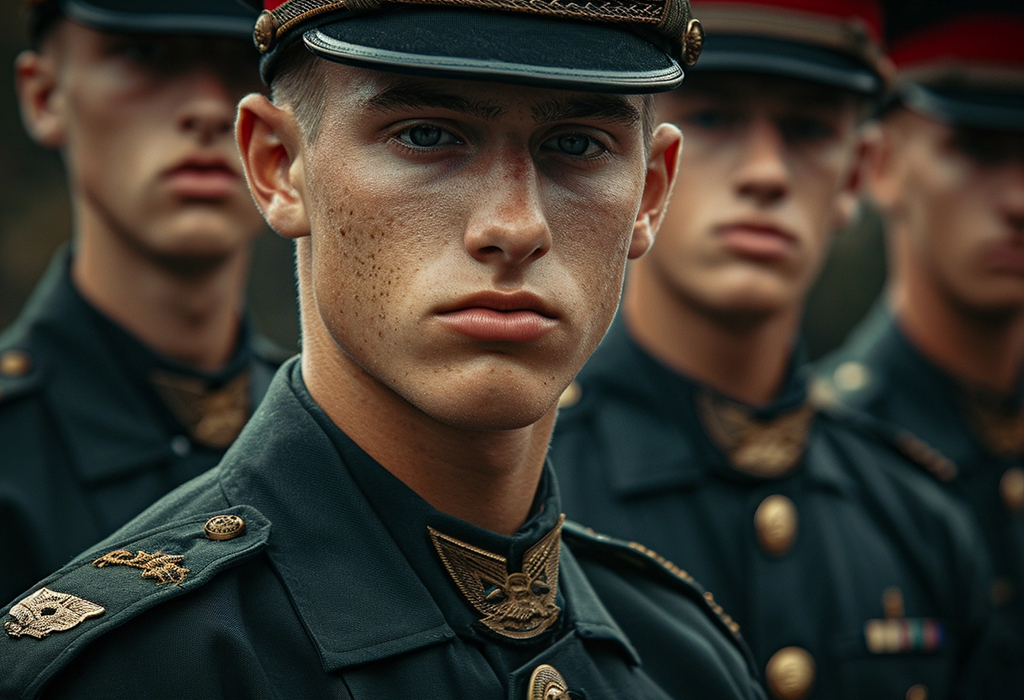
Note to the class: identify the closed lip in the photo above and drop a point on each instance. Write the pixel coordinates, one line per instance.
(519, 317)
(212, 165)
(756, 227)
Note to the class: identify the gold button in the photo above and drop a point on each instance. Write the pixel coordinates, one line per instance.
(892, 603)
(265, 33)
(547, 684)
(693, 42)
(851, 376)
(571, 396)
(15, 363)
(917, 692)
(224, 527)
(1011, 488)
(790, 673)
(776, 523)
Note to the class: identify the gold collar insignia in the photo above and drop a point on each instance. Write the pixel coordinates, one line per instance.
(999, 427)
(518, 605)
(47, 611)
(765, 449)
(213, 418)
(162, 567)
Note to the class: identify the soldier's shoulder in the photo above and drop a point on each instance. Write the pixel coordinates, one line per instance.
(635, 560)
(172, 550)
(898, 444)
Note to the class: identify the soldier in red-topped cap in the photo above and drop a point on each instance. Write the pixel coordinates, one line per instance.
(465, 180)
(942, 354)
(692, 430)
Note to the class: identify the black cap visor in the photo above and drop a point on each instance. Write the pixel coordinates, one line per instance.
(754, 54)
(965, 107)
(477, 45)
(209, 17)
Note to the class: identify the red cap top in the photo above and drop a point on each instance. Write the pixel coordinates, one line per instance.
(991, 40)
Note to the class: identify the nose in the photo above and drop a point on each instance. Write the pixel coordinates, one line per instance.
(763, 175)
(508, 228)
(208, 110)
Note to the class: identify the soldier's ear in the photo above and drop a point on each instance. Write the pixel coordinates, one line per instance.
(39, 97)
(662, 164)
(865, 156)
(270, 142)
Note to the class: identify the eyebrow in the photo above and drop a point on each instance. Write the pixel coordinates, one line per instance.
(614, 108)
(410, 95)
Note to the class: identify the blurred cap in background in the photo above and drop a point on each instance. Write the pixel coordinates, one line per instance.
(228, 18)
(832, 42)
(960, 63)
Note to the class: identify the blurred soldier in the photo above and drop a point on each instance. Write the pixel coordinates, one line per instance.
(851, 574)
(132, 367)
(942, 354)
(465, 186)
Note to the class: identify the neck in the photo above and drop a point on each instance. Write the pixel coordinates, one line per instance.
(186, 309)
(487, 478)
(740, 355)
(980, 349)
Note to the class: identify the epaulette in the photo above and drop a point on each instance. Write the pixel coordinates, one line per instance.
(899, 439)
(19, 373)
(114, 582)
(636, 557)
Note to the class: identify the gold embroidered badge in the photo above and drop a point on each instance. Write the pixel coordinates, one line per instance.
(999, 427)
(162, 567)
(213, 418)
(47, 611)
(546, 683)
(519, 605)
(760, 448)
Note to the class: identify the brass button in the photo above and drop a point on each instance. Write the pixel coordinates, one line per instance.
(547, 684)
(1011, 488)
(776, 523)
(15, 363)
(693, 42)
(224, 527)
(917, 692)
(790, 673)
(851, 376)
(265, 33)
(571, 396)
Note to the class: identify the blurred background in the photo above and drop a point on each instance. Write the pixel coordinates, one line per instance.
(35, 220)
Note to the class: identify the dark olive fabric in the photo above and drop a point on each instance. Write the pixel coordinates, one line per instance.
(326, 597)
(85, 441)
(902, 387)
(633, 460)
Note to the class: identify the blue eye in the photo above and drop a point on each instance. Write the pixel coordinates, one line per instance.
(427, 136)
(576, 145)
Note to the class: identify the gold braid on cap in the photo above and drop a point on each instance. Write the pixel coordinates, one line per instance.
(668, 17)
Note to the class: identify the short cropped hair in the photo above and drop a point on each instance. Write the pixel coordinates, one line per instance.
(297, 83)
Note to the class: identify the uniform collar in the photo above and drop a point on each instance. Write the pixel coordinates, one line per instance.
(333, 565)
(98, 397)
(660, 439)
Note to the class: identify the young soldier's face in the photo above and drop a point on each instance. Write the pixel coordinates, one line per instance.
(958, 195)
(467, 240)
(766, 174)
(146, 128)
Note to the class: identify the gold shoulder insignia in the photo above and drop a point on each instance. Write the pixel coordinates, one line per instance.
(47, 611)
(519, 605)
(162, 567)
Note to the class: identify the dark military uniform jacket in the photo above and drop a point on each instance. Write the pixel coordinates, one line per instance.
(329, 578)
(94, 426)
(879, 371)
(851, 575)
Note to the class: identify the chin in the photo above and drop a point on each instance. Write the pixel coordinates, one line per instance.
(487, 408)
